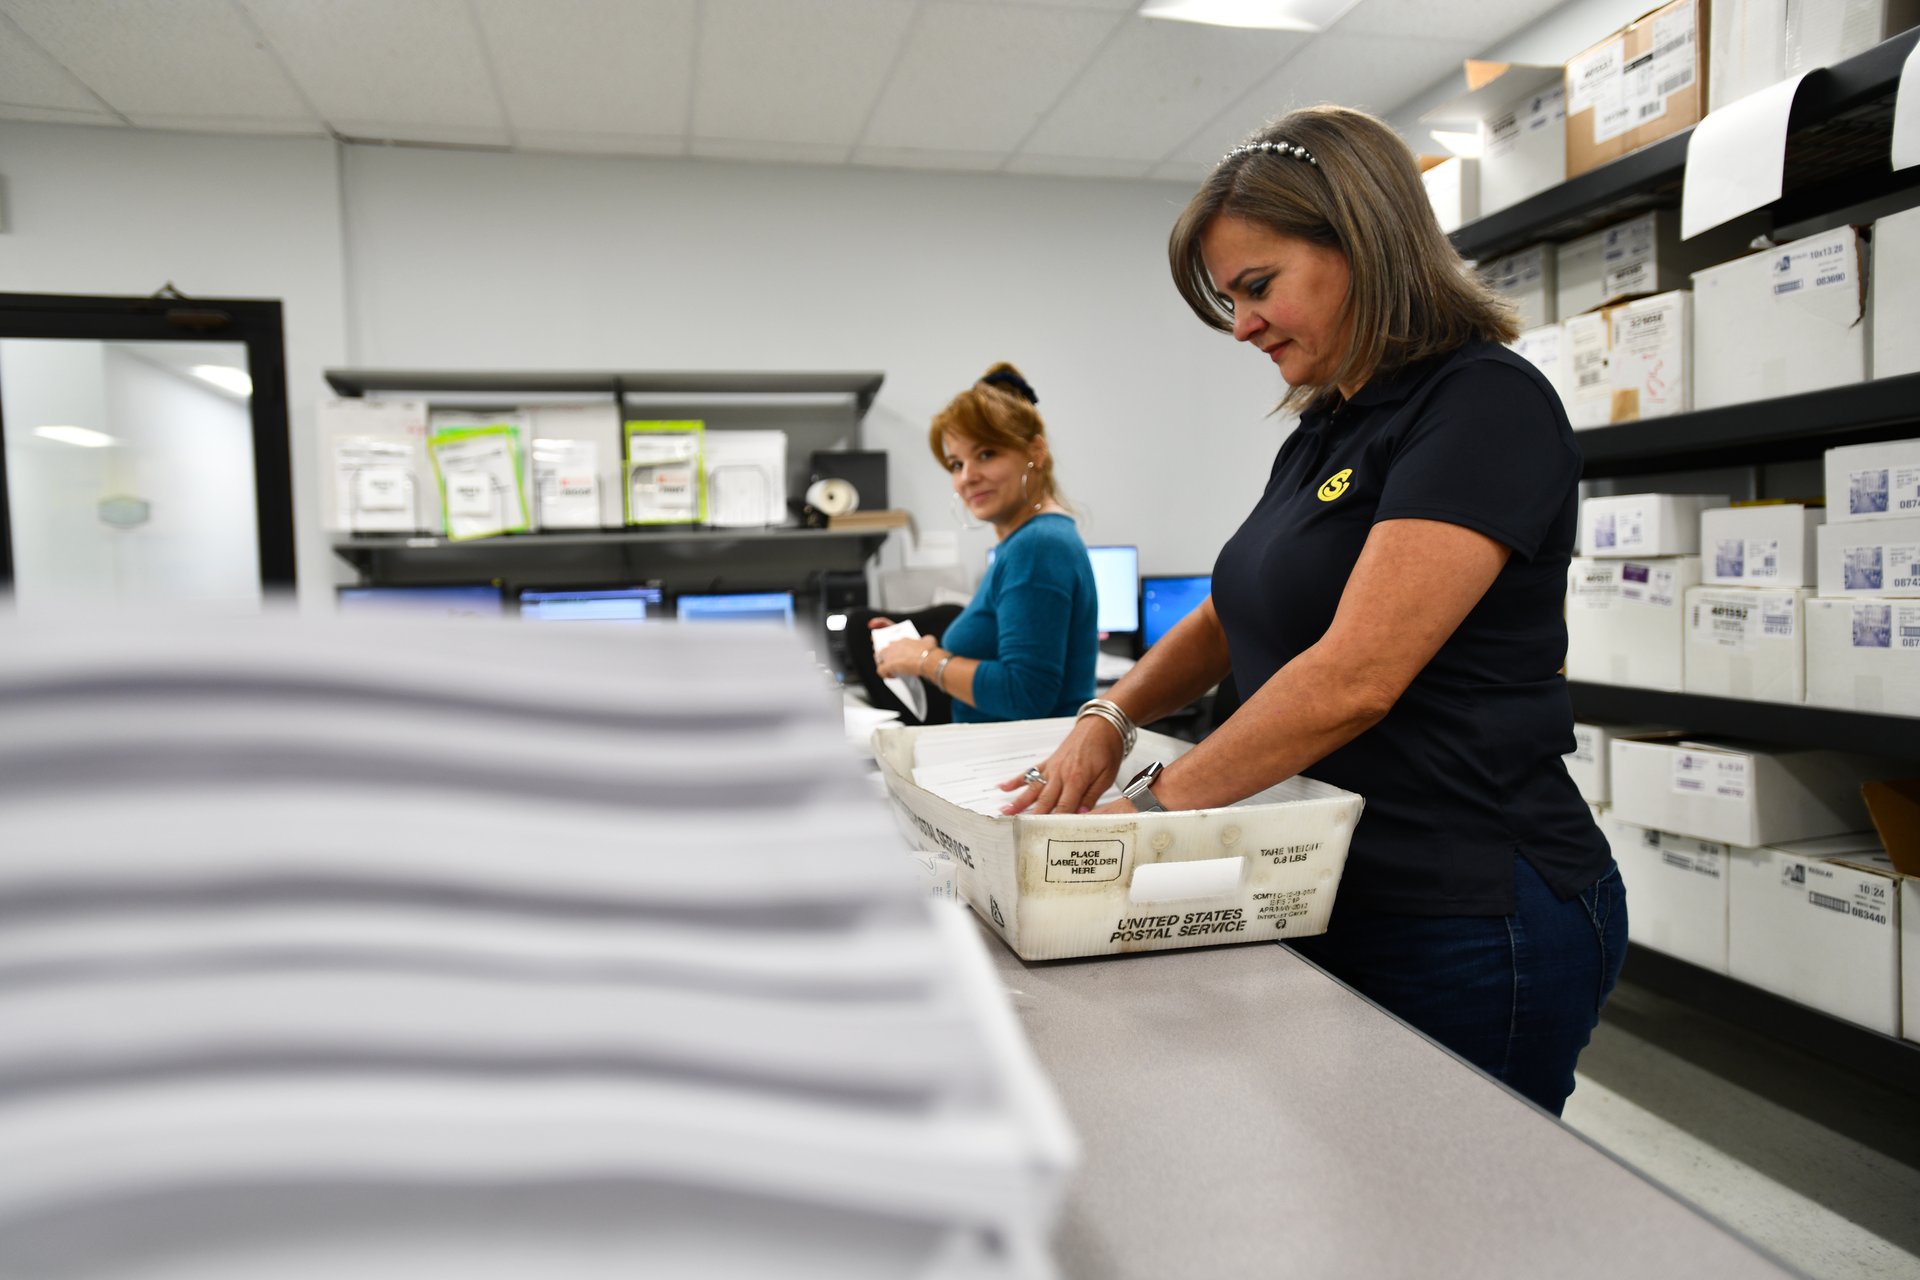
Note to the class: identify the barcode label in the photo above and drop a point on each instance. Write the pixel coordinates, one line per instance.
(1828, 901)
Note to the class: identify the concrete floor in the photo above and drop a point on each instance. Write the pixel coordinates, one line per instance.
(1813, 1163)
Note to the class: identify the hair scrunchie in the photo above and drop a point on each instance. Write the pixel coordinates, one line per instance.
(1014, 383)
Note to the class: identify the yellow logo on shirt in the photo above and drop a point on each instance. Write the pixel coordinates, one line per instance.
(1336, 485)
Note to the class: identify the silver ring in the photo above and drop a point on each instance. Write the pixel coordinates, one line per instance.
(1033, 777)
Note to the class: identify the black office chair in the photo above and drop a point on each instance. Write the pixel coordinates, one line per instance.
(931, 621)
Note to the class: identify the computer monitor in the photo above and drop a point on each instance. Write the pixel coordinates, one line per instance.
(1116, 584)
(599, 604)
(756, 606)
(441, 601)
(1166, 600)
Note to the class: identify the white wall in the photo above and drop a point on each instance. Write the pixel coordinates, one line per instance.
(473, 260)
(120, 211)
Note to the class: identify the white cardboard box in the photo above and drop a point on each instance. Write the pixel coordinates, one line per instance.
(1746, 642)
(1895, 296)
(1864, 655)
(1676, 892)
(1780, 322)
(1874, 481)
(1543, 347)
(1649, 366)
(1822, 932)
(1746, 49)
(1740, 795)
(1592, 749)
(1644, 524)
(1823, 32)
(1586, 360)
(1624, 621)
(1910, 958)
(1060, 885)
(1763, 545)
(1525, 278)
(1630, 259)
(1523, 148)
(1870, 558)
(1453, 189)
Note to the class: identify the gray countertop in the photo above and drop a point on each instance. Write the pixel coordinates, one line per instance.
(1244, 1114)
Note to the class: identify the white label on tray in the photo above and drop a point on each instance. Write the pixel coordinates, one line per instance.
(1873, 626)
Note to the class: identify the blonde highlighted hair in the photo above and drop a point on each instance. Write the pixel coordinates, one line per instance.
(1410, 296)
(998, 409)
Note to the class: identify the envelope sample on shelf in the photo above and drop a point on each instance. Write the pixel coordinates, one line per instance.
(1061, 885)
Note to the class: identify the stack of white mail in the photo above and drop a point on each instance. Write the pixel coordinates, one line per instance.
(348, 948)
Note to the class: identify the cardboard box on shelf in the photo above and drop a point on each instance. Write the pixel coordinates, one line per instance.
(1740, 795)
(1894, 806)
(1895, 296)
(1523, 148)
(1453, 189)
(1525, 278)
(1817, 922)
(1768, 544)
(1624, 621)
(1592, 749)
(1644, 524)
(1062, 885)
(1823, 32)
(1639, 85)
(1746, 49)
(1543, 348)
(1781, 321)
(1869, 558)
(1586, 353)
(1640, 256)
(1746, 642)
(1651, 355)
(1864, 655)
(1676, 892)
(1873, 481)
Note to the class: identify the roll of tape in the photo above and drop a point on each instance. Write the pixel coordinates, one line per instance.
(833, 496)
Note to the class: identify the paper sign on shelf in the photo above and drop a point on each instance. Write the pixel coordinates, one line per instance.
(1906, 113)
(1736, 158)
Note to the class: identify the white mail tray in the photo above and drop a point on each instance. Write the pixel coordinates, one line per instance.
(1060, 885)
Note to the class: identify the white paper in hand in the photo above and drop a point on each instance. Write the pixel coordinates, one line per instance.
(911, 692)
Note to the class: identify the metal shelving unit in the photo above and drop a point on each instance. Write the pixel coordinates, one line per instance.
(1788, 723)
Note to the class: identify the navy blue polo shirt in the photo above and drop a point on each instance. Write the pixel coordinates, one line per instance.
(1465, 771)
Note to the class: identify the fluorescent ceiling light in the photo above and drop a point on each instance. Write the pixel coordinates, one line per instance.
(1460, 144)
(225, 377)
(1266, 15)
(84, 437)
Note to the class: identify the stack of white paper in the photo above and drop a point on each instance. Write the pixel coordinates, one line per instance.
(346, 948)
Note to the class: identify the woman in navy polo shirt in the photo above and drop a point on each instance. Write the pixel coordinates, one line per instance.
(1024, 647)
(1392, 607)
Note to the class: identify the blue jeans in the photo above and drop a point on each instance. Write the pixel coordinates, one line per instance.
(1517, 996)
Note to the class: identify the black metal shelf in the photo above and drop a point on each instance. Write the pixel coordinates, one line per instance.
(1881, 1058)
(861, 387)
(577, 555)
(1780, 722)
(1838, 125)
(1792, 427)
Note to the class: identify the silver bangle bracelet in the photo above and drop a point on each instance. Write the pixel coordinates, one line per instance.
(1113, 715)
(940, 673)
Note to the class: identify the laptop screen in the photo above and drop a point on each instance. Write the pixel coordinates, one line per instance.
(611, 604)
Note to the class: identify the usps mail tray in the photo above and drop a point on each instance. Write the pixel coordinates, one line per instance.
(1061, 885)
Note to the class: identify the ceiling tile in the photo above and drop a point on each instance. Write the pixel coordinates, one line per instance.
(802, 71)
(592, 66)
(929, 158)
(30, 78)
(55, 115)
(772, 152)
(1481, 22)
(979, 77)
(589, 143)
(1374, 73)
(1078, 167)
(413, 72)
(1154, 84)
(1188, 171)
(165, 58)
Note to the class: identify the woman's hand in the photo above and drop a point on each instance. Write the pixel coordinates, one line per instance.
(1077, 774)
(904, 657)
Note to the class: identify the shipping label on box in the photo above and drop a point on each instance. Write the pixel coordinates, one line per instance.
(1649, 358)
(1870, 558)
(1587, 351)
(1819, 932)
(1635, 87)
(1780, 322)
(1746, 643)
(1769, 544)
(1864, 655)
(1874, 481)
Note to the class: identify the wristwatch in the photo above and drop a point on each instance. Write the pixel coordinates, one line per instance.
(1139, 792)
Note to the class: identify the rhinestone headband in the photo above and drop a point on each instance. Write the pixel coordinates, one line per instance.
(1275, 148)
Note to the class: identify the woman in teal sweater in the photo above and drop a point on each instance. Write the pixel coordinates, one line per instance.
(1024, 648)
